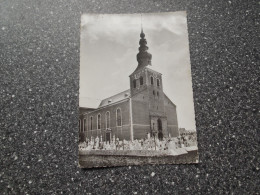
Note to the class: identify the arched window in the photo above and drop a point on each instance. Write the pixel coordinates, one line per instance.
(158, 82)
(151, 80)
(107, 119)
(158, 94)
(99, 121)
(85, 124)
(134, 83)
(91, 123)
(141, 80)
(79, 125)
(118, 117)
(153, 93)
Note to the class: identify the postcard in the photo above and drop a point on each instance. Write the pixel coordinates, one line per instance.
(136, 100)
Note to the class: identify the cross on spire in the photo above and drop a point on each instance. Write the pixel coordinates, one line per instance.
(141, 23)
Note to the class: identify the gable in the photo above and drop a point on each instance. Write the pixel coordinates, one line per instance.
(166, 100)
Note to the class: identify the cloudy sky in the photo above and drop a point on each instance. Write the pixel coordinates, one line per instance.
(109, 44)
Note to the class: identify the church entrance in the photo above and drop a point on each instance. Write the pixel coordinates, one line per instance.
(108, 136)
(160, 134)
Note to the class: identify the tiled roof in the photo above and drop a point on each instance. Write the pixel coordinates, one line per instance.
(115, 98)
(143, 68)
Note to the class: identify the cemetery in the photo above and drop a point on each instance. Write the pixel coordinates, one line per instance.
(151, 146)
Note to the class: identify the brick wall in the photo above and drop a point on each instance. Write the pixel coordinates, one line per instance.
(136, 76)
(156, 95)
(141, 118)
(171, 114)
(120, 132)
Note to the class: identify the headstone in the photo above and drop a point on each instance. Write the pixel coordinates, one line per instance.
(171, 145)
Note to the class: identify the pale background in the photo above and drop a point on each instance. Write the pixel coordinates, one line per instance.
(108, 48)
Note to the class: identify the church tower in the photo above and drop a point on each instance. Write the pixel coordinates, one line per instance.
(147, 90)
(138, 79)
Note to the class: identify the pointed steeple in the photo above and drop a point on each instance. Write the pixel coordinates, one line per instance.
(143, 57)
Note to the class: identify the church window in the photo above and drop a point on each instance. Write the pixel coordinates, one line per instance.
(153, 93)
(141, 80)
(91, 123)
(79, 125)
(151, 80)
(158, 94)
(99, 121)
(85, 124)
(119, 117)
(107, 119)
(158, 82)
(134, 83)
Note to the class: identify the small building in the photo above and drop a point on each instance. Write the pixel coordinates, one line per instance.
(136, 113)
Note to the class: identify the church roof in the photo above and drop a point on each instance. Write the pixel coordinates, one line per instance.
(169, 99)
(153, 70)
(83, 110)
(115, 98)
(139, 69)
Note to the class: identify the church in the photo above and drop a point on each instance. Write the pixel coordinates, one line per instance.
(136, 113)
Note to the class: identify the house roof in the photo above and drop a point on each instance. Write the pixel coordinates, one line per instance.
(115, 98)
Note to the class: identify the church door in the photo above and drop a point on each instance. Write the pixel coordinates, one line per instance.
(160, 134)
(108, 137)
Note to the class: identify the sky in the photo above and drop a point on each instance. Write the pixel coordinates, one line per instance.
(108, 48)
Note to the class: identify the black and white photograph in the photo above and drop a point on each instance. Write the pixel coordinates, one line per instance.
(129, 97)
(136, 99)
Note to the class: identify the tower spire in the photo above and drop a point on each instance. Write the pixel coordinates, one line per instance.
(141, 23)
(143, 57)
